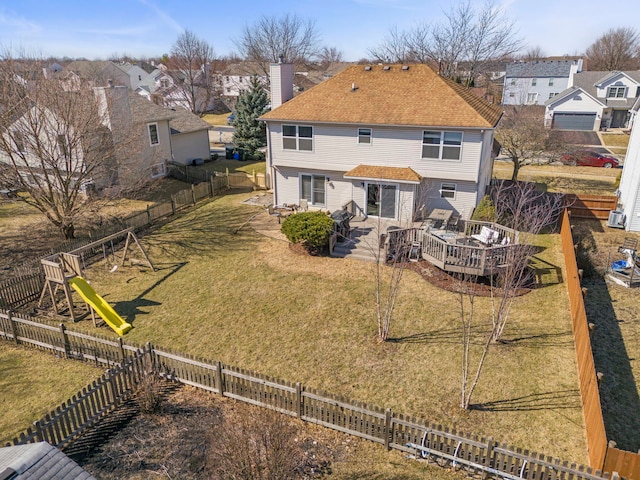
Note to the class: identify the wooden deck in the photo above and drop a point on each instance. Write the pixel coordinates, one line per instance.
(458, 251)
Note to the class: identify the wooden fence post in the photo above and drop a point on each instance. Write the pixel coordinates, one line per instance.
(121, 348)
(39, 435)
(14, 327)
(211, 189)
(193, 193)
(65, 340)
(388, 430)
(219, 385)
(299, 409)
(173, 206)
(227, 175)
(489, 457)
(148, 215)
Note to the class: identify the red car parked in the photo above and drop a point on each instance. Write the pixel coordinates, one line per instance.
(589, 158)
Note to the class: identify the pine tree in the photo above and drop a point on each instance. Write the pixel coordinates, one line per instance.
(250, 134)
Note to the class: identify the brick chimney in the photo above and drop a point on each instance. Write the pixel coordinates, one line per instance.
(281, 78)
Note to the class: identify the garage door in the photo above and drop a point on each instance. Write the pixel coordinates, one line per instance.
(574, 121)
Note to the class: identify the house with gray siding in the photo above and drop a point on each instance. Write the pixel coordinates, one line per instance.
(594, 101)
(395, 141)
(629, 190)
(535, 82)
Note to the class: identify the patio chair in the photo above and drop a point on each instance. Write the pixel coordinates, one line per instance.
(304, 205)
(452, 224)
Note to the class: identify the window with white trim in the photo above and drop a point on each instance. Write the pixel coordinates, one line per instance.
(512, 81)
(158, 170)
(448, 190)
(617, 92)
(312, 189)
(297, 137)
(551, 82)
(441, 145)
(531, 98)
(364, 135)
(534, 82)
(553, 94)
(154, 139)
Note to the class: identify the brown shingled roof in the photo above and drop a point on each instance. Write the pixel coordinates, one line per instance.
(372, 172)
(389, 95)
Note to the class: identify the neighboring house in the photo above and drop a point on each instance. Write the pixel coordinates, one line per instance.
(594, 101)
(189, 137)
(141, 135)
(236, 78)
(535, 82)
(394, 141)
(98, 73)
(629, 202)
(39, 461)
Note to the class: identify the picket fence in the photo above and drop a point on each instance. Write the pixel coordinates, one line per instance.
(24, 285)
(414, 436)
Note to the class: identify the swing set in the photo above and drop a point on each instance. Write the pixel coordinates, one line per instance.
(65, 271)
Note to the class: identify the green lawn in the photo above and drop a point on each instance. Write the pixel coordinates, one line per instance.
(248, 166)
(249, 301)
(216, 119)
(33, 383)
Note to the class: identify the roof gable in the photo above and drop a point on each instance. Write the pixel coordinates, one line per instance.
(412, 95)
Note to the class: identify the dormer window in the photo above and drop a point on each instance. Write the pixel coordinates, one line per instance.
(617, 92)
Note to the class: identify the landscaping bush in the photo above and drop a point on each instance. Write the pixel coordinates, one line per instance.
(485, 211)
(311, 229)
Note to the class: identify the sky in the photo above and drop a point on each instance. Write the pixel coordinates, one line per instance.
(99, 29)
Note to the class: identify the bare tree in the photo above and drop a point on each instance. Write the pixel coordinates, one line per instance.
(492, 37)
(467, 35)
(57, 145)
(616, 49)
(394, 48)
(192, 56)
(533, 54)
(518, 205)
(271, 38)
(255, 444)
(329, 55)
(523, 136)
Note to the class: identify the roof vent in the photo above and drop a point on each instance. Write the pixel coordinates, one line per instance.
(367, 68)
(386, 68)
(353, 87)
(405, 67)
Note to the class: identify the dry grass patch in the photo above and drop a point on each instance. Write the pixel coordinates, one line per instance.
(248, 166)
(216, 119)
(248, 301)
(616, 338)
(615, 139)
(187, 437)
(563, 178)
(33, 383)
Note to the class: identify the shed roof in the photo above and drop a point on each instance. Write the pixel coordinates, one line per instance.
(409, 95)
(39, 461)
(373, 172)
(184, 121)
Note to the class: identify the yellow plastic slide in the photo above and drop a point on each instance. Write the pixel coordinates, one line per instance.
(98, 303)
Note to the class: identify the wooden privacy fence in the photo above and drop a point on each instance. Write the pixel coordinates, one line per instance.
(602, 454)
(411, 435)
(591, 206)
(219, 179)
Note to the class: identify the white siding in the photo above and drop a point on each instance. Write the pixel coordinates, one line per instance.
(630, 182)
(578, 102)
(618, 80)
(187, 146)
(336, 148)
(519, 94)
(464, 202)
(338, 192)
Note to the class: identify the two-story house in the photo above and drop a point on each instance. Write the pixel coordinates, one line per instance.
(535, 82)
(396, 140)
(593, 101)
(629, 202)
